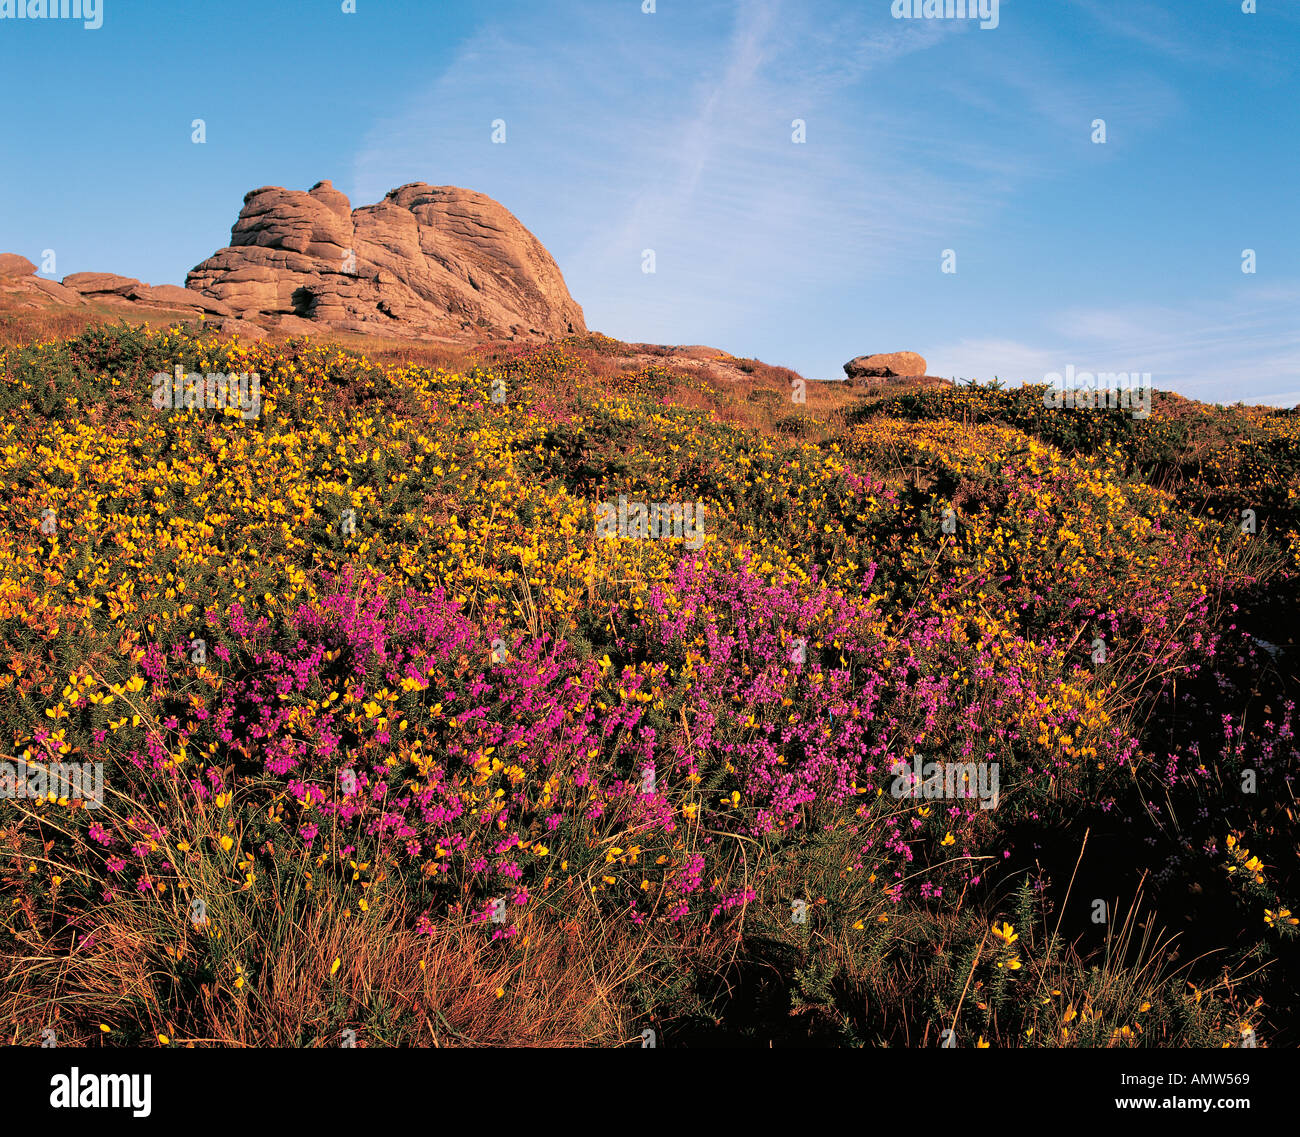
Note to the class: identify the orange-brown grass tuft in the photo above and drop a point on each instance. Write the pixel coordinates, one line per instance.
(262, 978)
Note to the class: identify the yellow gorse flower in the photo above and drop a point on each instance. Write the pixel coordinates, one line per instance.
(1006, 933)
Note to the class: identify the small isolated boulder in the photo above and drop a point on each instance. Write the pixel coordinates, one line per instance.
(100, 283)
(11, 264)
(890, 366)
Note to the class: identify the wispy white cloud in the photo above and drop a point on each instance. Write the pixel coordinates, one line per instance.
(1241, 349)
(695, 160)
(630, 132)
(1154, 26)
(1208, 37)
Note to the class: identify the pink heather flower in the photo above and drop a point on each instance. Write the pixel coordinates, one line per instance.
(98, 833)
(115, 864)
(309, 831)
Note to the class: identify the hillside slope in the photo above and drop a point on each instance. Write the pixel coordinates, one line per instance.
(907, 689)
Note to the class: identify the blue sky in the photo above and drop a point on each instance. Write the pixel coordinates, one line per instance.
(672, 131)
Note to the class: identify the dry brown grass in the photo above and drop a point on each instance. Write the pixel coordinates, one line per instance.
(141, 966)
(556, 985)
(21, 325)
(425, 353)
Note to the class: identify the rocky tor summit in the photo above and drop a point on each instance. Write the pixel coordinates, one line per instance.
(425, 262)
